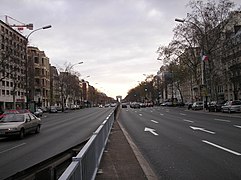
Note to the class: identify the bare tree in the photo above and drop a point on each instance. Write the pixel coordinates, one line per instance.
(201, 33)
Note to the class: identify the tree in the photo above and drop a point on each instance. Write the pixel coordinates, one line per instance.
(69, 84)
(200, 33)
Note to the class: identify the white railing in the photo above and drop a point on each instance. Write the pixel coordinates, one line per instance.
(85, 165)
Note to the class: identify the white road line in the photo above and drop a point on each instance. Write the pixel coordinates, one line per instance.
(182, 114)
(186, 120)
(140, 114)
(237, 126)
(162, 114)
(154, 121)
(12, 148)
(223, 120)
(223, 148)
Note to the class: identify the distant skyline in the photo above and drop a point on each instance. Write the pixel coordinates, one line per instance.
(116, 39)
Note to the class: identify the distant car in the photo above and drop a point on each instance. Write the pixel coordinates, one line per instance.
(167, 103)
(135, 105)
(197, 105)
(124, 105)
(19, 125)
(38, 112)
(113, 105)
(215, 106)
(107, 105)
(232, 106)
(189, 105)
(53, 109)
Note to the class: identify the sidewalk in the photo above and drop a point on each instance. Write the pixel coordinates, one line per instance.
(119, 161)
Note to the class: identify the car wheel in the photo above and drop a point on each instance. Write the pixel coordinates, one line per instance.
(21, 134)
(37, 129)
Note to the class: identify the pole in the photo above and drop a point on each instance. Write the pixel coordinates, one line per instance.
(26, 65)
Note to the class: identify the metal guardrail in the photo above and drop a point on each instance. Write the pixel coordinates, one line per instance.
(85, 165)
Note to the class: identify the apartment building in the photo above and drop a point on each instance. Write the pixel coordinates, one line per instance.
(55, 92)
(38, 78)
(12, 68)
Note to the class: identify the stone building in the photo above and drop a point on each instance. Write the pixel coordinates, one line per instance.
(55, 95)
(12, 68)
(38, 78)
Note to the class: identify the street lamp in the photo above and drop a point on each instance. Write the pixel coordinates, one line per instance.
(26, 65)
(202, 53)
(44, 27)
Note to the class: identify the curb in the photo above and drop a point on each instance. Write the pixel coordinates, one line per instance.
(142, 161)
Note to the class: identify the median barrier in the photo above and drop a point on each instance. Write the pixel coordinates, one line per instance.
(85, 165)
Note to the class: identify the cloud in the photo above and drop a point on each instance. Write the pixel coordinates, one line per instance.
(116, 39)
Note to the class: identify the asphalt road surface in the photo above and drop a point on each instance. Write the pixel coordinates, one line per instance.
(59, 132)
(186, 144)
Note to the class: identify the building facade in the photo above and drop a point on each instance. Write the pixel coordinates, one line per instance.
(38, 78)
(12, 68)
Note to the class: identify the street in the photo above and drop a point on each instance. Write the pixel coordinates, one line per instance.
(185, 144)
(59, 132)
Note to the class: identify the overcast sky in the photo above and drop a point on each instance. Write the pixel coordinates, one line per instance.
(116, 39)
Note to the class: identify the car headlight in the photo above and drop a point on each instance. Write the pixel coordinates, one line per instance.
(12, 129)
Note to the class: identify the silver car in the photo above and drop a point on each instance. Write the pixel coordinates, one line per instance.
(19, 125)
(197, 105)
(232, 106)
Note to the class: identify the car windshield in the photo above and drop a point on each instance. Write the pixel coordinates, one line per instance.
(236, 103)
(13, 118)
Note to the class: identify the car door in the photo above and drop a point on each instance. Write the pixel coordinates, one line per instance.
(28, 123)
(34, 122)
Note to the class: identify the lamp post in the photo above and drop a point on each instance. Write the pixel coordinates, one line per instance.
(203, 89)
(26, 65)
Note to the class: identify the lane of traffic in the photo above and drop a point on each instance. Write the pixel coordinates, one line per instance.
(59, 132)
(178, 145)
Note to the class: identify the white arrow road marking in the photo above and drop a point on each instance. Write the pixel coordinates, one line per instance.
(201, 129)
(151, 131)
(188, 120)
(154, 121)
(223, 120)
(12, 148)
(237, 126)
(220, 147)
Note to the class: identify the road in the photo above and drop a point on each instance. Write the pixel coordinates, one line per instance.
(59, 132)
(186, 144)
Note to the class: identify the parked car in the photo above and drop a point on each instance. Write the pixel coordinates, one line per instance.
(53, 109)
(19, 124)
(215, 106)
(135, 105)
(232, 106)
(38, 112)
(197, 105)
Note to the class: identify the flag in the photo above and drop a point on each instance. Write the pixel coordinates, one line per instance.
(204, 58)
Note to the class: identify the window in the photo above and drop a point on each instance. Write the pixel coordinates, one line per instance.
(36, 60)
(3, 92)
(3, 83)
